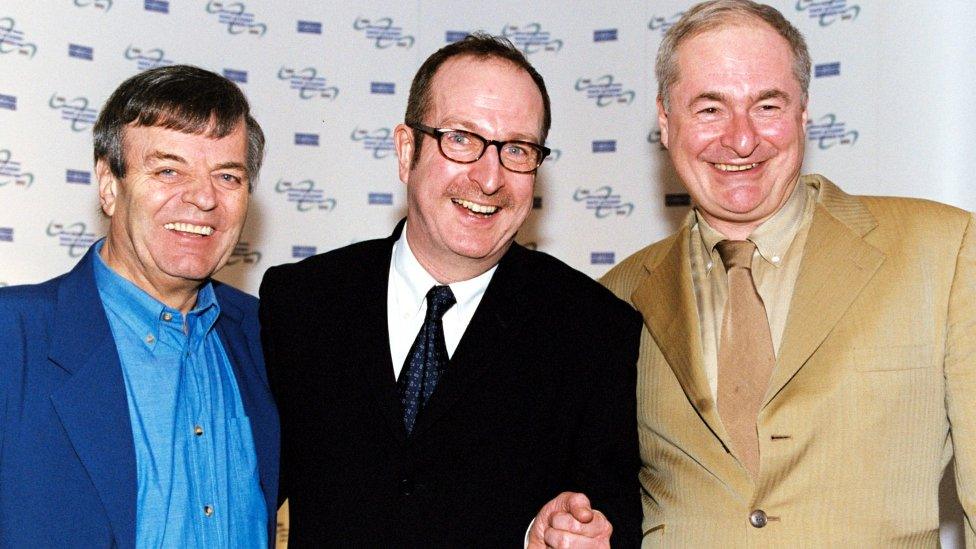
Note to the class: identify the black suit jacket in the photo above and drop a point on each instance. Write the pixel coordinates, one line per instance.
(539, 398)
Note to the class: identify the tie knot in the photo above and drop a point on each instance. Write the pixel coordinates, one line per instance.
(736, 253)
(439, 300)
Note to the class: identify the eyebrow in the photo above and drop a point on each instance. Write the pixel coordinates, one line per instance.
(160, 155)
(771, 93)
(461, 125)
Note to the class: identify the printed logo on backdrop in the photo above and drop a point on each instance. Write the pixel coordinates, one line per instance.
(300, 252)
(554, 155)
(827, 132)
(531, 38)
(605, 90)
(826, 69)
(305, 195)
(78, 51)
(663, 23)
(605, 35)
(147, 58)
(12, 39)
(235, 75)
(383, 33)
(604, 146)
(654, 138)
(602, 258)
(243, 254)
(74, 237)
(307, 139)
(308, 83)
(158, 6)
(6, 235)
(75, 111)
(235, 17)
(77, 177)
(309, 27)
(603, 202)
(8, 102)
(11, 172)
(828, 12)
(380, 199)
(97, 4)
(379, 141)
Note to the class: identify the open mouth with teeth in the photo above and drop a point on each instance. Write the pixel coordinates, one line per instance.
(201, 230)
(476, 208)
(735, 167)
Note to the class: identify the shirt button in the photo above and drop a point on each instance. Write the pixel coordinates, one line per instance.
(406, 487)
(150, 339)
(207, 511)
(758, 518)
(167, 317)
(197, 430)
(775, 259)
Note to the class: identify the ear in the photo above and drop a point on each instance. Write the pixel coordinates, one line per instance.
(804, 116)
(108, 186)
(403, 143)
(662, 122)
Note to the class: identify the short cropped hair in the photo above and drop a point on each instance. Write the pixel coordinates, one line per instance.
(178, 97)
(480, 46)
(716, 13)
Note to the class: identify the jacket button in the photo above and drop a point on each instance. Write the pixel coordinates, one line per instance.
(758, 518)
(406, 487)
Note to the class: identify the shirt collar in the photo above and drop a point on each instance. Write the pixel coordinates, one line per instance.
(772, 238)
(413, 282)
(143, 311)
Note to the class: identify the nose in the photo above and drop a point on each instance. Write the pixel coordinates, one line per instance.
(740, 135)
(487, 171)
(201, 193)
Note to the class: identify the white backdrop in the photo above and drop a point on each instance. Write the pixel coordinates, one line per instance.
(890, 112)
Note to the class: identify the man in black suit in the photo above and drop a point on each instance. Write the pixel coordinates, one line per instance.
(452, 420)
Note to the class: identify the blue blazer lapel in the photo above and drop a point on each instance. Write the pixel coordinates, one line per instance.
(92, 404)
(248, 364)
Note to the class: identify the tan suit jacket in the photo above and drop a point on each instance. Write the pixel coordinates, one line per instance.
(874, 388)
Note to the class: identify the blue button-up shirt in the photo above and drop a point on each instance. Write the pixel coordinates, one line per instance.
(198, 483)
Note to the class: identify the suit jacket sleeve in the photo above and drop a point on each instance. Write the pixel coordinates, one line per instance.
(271, 291)
(960, 373)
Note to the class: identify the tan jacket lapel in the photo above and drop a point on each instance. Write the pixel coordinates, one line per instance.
(837, 264)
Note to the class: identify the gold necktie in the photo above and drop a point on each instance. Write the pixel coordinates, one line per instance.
(745, 354)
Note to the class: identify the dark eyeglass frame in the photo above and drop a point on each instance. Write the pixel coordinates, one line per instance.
(438, 134)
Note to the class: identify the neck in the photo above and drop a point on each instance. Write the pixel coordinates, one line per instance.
(181, 295)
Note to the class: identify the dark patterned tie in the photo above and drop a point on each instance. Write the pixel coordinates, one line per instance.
(427, 359)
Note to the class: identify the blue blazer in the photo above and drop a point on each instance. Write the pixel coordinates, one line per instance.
(67, 460)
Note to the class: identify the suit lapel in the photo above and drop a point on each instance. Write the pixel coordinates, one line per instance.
(255, 396)
(837, 264)
(92, 404)
(503, 309)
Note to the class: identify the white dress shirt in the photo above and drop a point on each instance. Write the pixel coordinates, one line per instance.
(406, 303)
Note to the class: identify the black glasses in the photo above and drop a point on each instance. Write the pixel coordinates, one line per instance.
(466, 147)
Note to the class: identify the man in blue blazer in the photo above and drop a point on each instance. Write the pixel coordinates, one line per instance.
(134, 405)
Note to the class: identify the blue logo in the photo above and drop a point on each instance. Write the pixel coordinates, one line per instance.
(308, 83)
(299, 252)
(828, 132)
(829, 11)
(74, 110)
(379, 141)
(147, 58)
(605, 91)
(305, 196)
(382, 88)
(74, 236)
(605, 146)
(602, 258)
(554, 155)
(243, 254)
(826, 69)
(12, 39)
(310, 27)
(236, 76)
(158, 6)
(382, 33)
(654, 138)
(236, 17)
(97, 4)
(307, 139)
(453, 36)
(380, 199)
(6, 234)
(530, 38)
(11, 173)
(603, 202)
(8, 102)
(606, 35)
(79, 177)
(81, 52)
(664, 23)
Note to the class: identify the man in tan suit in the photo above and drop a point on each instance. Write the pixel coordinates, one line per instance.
(828, 417)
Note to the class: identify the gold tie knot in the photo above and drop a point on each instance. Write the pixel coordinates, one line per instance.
(736, 253)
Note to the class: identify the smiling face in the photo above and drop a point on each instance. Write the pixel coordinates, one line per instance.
(462, 218)
(178, 211)
(736, 128)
